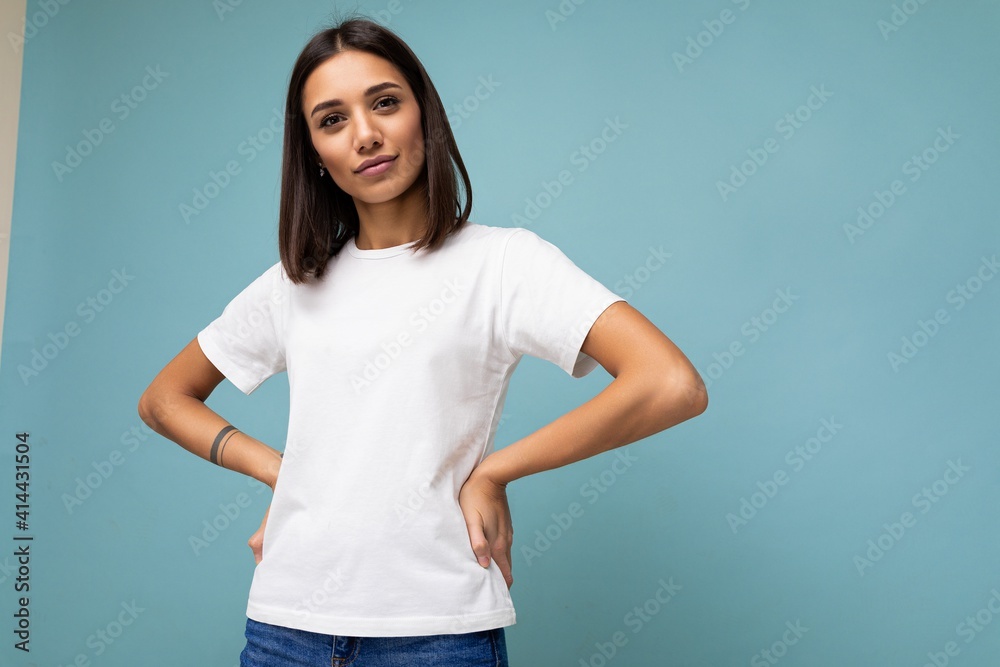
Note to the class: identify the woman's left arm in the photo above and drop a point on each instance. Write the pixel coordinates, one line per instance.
(655, 387)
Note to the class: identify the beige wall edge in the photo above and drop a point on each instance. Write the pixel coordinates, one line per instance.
(12, 15)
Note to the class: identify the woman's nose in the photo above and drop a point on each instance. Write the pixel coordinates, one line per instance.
(366, 131)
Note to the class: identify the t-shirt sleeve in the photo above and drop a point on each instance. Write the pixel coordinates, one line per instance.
(247, 341)
(548, 303)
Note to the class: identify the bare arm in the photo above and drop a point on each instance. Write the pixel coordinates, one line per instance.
(174, 406)
(655, 387)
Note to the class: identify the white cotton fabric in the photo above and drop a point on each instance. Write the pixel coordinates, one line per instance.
(398, 367)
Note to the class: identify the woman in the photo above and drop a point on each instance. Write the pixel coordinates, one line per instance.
(399, 323)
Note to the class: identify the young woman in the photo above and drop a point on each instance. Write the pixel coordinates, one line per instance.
(399, 323)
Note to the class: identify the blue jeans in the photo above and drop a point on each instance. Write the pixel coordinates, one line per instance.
(277, 646)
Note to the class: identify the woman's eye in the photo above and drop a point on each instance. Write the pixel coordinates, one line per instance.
(393, 100)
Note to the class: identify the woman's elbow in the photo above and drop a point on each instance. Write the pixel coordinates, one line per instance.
(698, 396)
(684, 396)
(146, 409)
(153, 404)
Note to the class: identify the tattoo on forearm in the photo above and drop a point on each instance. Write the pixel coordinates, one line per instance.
(215, 455)
(223, 448)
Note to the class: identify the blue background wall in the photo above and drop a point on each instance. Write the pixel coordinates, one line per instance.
(831, 487)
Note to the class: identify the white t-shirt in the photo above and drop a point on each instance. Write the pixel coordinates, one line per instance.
(398, 367)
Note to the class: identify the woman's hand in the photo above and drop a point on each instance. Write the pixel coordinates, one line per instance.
(487, 516)
(256, 541)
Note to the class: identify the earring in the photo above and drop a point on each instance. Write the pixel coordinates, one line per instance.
(322, 171)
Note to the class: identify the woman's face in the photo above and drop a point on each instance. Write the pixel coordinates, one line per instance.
(360, 125)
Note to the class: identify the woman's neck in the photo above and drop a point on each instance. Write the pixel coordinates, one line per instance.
(392, 223)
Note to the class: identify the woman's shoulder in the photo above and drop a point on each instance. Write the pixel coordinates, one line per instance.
(489, 234)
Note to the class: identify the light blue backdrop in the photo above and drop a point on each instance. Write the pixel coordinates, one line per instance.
(837, 503)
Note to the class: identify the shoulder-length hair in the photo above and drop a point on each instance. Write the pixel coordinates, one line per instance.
(316, 217)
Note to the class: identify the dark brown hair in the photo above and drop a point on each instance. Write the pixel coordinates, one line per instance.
(316, 217)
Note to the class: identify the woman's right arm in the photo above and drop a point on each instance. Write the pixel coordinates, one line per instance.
(174, 406)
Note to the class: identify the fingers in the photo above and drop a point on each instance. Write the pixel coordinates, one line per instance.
(256, 544)
(256, 541)
(501, 553)
(503, 562)
(477, 538)
(487, 519)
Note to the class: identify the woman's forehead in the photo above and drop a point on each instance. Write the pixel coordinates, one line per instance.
(348, 76)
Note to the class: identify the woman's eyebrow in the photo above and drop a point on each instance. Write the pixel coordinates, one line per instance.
(377, 88)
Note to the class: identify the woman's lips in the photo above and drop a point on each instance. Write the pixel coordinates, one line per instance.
(380, 168)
